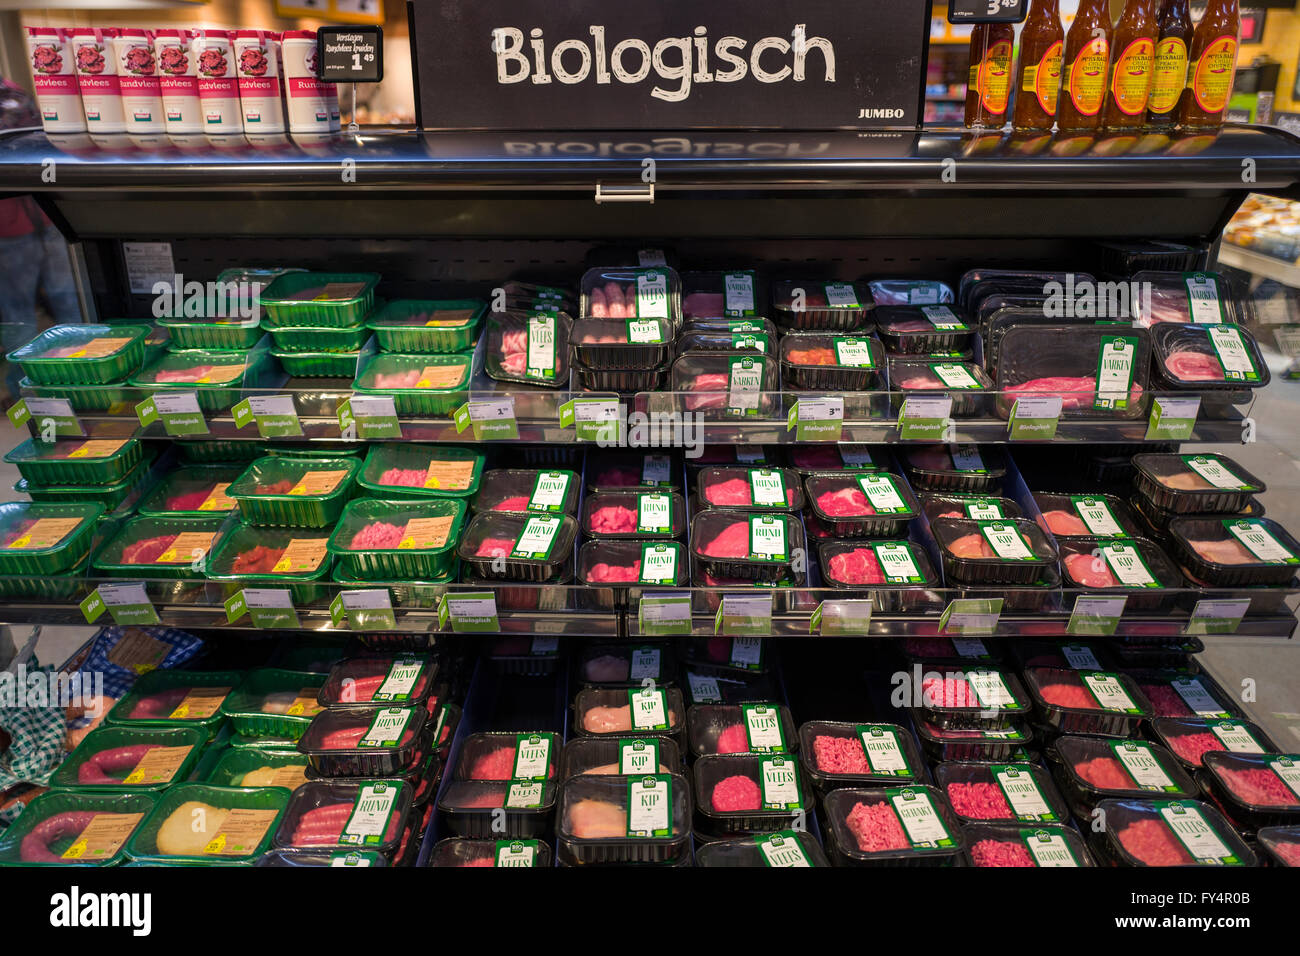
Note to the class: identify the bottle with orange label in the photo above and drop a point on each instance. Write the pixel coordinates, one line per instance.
(1170, 75)
(988, 90)
(1135, 39)
(1041, 41)
(1212, 66)
(1085, 69)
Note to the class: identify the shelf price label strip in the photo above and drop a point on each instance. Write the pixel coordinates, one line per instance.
(53, 417)
(744, 615)
(274, 415)
(266, 607)
(1217, 617)
(924, 418)
(369, 610)
(179, 413)
(369, 416)
(1096, 616)
(664, 615)
(971, 617)
(469, 613)
(1173, 419)
(127, 604)
(817, 419)
(592, 419)
(1035, 418)
(492, 419)
(841, 619)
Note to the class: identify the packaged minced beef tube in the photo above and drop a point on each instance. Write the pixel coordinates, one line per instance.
(1280, 845)
(978, 507)
(641, 514)
(1087, 702)
(917, 292)
(902, 569)
(1191, 739)
(611, 756)
(363, 741)
(748, 793)
(1098, 371)
(641, 819)
(1011, 845)
(616, 664)
(1133, 566)
(613, 561)
(1076, 516)
(923, 329)
(619, 293)
(534, 547)
(622, 343)
(782, 848)
(964, 381)
(1235, 552)
(843, 754)
(900, 826)
(1195, 484)
(862, 506)
(752, 547)
(986, 793)
(1167, 833)
(1012, 552)
(1203, 298)
(459, 852)
(821, 306)
(818, 360)
(472, 808)
(750, 489)
(1179, 694)
(1254, 790)
(1092, 769)
(532, 348)
(509, 755)
(369, 814)
(617, 470)
(604, 712)
(964, 469)
(736, 294)
(1208, 356)
(955, 698)
(985, 743)
(762, 728)
(380, 679)
(520, 491)
(807, 459)
(734, 383)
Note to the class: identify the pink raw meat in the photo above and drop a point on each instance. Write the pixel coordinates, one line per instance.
(971, 546)
(909, 325)
(614, 573)
(1289, 852)
(613, 519)
(1063, 522)
(1190, 365)
(1089, 572)
(839, 755)
(948, 692)
(732, 542)
(715, 384)
(703, 304)
(733, 740)
(1259, 786)
(598, 308)
(979, 801)
(859, 566)
(1105, 773)
(920, 380)
(876, 828)
(189, 501)
(1192, 747)
(147, 551)
(381, 534)
(928, 646)
(616, 301)
(733, 491)
(1224, 551)
(182, 375)
(494, 548)
(1076, 392)
(405, 379)
(516, 341)
(1000, 853)
(498, 764)
(1151, 842)
(735, 794)
(1166, 701)
(407, 477)
(845, 503)
(1068, 695)
(513, 503)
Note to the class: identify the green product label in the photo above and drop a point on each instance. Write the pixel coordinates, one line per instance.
(52, 417)
(898, 563)
(533, 756)
(524, 795)
(650, 806)
(1195, 833)
(1006, 541)
(884, 751)
(654, 513)
(882, 491)
(645, 331)
(767, 488)
(541, 346)
(1026, 799)
(1260, 541)
(756, 343)
(738, 296)
(1204, 304)
(1108, 692)
(744, 385)
(984, 509)
(368, 822)
(1198, 698)
(767, 538)
(386, 728)
(854, 352)
(992, 691)
(652, 294)
(1127, 564)
(658, 564)
(1049, 849)
(1213, 470)
(1233, 355)
(763, 728)
(780, 783)
(1116, 365)
(954, 375)
(649, 709)
(637, 757)
(1143, 766)
(1236, 736)
(841, 295)
(920, 819)
(550, 492)
(516, 853)
(943, 318)
(782, 849)
(1097, 516)
(537, 539)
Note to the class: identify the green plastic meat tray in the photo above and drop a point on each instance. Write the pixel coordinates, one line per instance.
(298, 298)
(110, 496)
(74, 367)
(106, 737)
(20, 553)
(236, 762)
(384, 457)
(109, 559)
(245, 538)
(52, 803)
(213, 396)
(286, 508)
(434, 402)
(227, 335)
(186, 480)
(76, 461)
(160, 681)
(421, 594)
(65, 587)
(143, 845)
(424, 326)
(244, 706)
(312, 338)
(396, 563)
(318, 364)
(110, 397)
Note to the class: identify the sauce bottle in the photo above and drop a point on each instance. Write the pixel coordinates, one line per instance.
(1041, 41)
(1170, 74)
(1084, 71)
(988, 90)
(1212, 66)
(1135, 39)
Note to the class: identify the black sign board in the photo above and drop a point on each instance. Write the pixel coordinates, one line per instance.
(350, 54)
(669, 64)
(987, 11)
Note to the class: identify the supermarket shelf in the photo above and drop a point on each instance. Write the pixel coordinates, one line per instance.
(1256, 263)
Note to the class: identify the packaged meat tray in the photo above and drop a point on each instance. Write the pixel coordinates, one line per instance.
(624, 381)
(509, 756)
(1206, 357)
(532, 348)
(1005, 844)
(621, 470)
(840, 363)
(698, 339)
(473, 808)
(318, 364)
(977, 284)
(730, 383)
(294, 339)
(604, 819)
(1098, 371)
(297, 558)
(524, 491)
(620, 664)
(1190, 739)
(996, 322)
(753, 728)
(294, 492)
(1081, 516)
(421, 594)
(1133, 566)
(1176, 652)
(738, 294)
(531, 547)
(862, 506)
(314, 858)
(747, 793)
(1177, 693)
(192, 491)
(1087, 702)
(750, 489)
(626, 756)
(634, 514)
(363, 741)
(544, 297)
(110, 496)
(978, 507)
(458, 852)
(964, 381)
(422, 326)
(1203, 298)
(61, 828)
(923, 329)
(970, 698)
(607, 712)
(158, 548)
(1203, 483)
(636, 344)
(368, 814)
(421, 777)
(143, 759)
(1253, 790)
(320, 299)
(750, 547)
(44, 539)
(227, 334)
(1167, 833)
(549, 595)
(807, 459)
(990, 793)
(1069, 653)
(214, 376)
(940, 648)
(1126, 258)
(898, 573)
(1013, 552)
(821, 306)
(894, 826)
(914, 292)
(176, 697)
(433, 385)
(1235, 552)
(785, 848)
(631, 562)
(82, 398)
(1280, 845)
(397, 470)
(843, 754)
(984, 743)
(198, 823)
(961, 469)
(1044, 594)
(82, 354)
(273, 702)
(398, 540)
(64, 588)
(653, 292)
(76, 461)
(379, 679)
(1092, 769)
